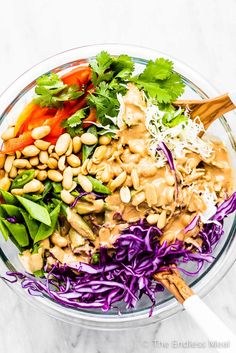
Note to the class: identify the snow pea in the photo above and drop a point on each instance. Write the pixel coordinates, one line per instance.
(8, 197)
(87, 150)
(11, 210)
(57, 187)
(45, 231)
(36, 211)
(31, 224)
(22, 179)
(33, 198)
(47, 188)
(4, 230)
(19, 232)
(98, 186)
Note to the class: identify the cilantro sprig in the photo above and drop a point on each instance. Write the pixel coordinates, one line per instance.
(160, 82)
(52, 92)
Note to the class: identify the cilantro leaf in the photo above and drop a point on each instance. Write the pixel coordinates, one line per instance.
(160, 82)
(123, 67)
(104, 99)
(73, 124)
(161, 69)
(99, 66)
(51, 91)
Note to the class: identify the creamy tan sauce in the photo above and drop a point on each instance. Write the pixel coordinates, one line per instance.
(194, 176)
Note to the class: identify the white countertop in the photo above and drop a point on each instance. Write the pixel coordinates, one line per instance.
(199, 32)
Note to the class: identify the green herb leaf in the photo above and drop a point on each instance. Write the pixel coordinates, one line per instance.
(74, 123)
(160, 82)
(36, 211)
(51, 91)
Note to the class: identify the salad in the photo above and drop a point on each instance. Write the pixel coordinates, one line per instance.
(104, 182)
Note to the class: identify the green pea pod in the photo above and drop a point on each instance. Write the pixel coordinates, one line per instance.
(4, 230)
(31, 224)
(45, 231)
(57, 187)
(98, 186)
(19, 233)
(36, 211)
(11, 210)
(2, 213)
(87, 150)
(34, 198)
(22, 179)
(47, 188)
(8, 197)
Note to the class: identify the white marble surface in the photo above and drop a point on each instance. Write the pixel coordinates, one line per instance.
(200, 32)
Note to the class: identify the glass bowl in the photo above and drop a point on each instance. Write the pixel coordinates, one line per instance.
(11, 103)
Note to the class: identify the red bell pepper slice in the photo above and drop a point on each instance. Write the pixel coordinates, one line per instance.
(79, 76)
(90, 118)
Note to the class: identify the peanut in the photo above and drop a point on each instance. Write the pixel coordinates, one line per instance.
(8, 163)
(42, 145)
(17, 192)
(43, 157)
(125, 194)
(52, 163)
(42, 175)
(63, 144)
(73, 161)
(61, 163)
(67, 178)
(76, 144)
(70, 149)
(54, 175)
(138, 198)
(58, 240)
(40, 132)
(9, 133)
(161, 220)
(152, 218)
(30, 151)
(21, 163)
(104, 140)
(13, 172)
(67, 197)
(99, 154)
(118, 181)
(89, 139)
(34, 161)
(5, 183)
(85, 183)
(32, 186)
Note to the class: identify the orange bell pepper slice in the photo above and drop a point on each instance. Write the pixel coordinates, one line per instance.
(24, 116)
(18, 143)
(79, 76)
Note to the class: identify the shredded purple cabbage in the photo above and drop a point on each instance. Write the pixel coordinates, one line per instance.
(162, 147)
(127, 274)
(12, 219)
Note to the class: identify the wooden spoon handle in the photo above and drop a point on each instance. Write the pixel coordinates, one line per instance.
(172, 281)
(213, 328)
